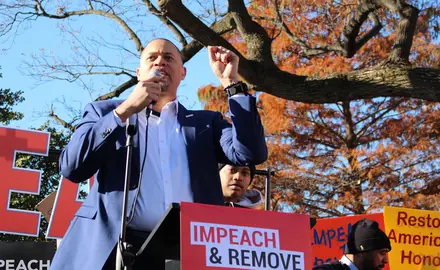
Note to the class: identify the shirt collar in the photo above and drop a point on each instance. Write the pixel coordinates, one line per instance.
(172, 106)
(345, 260)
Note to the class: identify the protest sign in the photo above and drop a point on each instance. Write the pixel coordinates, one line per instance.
(415, 238)
(19, 180)
(329, 236)
(234, 238)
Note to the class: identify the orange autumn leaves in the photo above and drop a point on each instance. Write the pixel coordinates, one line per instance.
(350, 157)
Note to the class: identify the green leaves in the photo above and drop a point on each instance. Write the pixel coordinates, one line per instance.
(8, 99)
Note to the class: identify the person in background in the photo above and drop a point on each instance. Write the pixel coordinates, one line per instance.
(235, 182)
(366, 249)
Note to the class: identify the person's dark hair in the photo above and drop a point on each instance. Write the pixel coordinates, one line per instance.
(251, 168)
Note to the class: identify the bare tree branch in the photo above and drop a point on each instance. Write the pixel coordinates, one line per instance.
(224, 25)
(256, 38)
(404, 35)
(177, 12)
(306, 50)
(359, 84)
(63, 15)
(61, 121)
(377, 26)
(166, 22)
(331, 212)
(353, 26)
(377, 117)
(110, 8)
(89, 3)
(393, 79)
(120, 89)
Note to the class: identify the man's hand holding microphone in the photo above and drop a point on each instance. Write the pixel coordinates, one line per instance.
(145, 94)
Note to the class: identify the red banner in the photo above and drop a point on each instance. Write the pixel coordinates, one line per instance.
(19, 180)
(330, 235)
(221, 237)
(64, 208)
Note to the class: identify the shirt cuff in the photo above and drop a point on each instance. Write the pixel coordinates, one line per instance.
(118, 120)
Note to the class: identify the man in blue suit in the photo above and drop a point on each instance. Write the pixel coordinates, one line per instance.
(176, 152)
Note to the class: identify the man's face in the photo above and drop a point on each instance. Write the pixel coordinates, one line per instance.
(375, 259)
(235, 180)
(163, 56)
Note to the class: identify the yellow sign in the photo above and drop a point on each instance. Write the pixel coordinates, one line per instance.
(415, 238)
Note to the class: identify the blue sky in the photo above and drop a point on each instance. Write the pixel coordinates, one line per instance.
(45, 34)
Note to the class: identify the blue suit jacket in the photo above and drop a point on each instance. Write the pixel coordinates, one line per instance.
(98, 147)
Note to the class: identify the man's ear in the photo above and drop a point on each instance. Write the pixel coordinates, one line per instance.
(183, 74)
(137, 73)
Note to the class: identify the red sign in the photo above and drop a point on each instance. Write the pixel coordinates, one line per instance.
(330, 235)
(19, 180)
(65, 206)
(218, 237)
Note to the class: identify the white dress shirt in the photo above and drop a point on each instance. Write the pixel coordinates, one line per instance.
(166, 176)
(345, 260)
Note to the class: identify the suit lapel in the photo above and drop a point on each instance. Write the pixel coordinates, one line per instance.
(187, 122)
(188, 126)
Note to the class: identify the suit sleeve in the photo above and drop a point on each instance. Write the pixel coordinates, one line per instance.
(91, 143)
(243, 143)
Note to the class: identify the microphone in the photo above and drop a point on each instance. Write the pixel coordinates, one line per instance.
(154, 73)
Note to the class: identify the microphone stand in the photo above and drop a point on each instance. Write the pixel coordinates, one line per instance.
(124, 256)
(267, 187)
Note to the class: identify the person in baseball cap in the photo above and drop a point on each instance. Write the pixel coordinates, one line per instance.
(235, 181)
(367, 248)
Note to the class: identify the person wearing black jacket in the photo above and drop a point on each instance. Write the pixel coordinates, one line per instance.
(366, 249)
